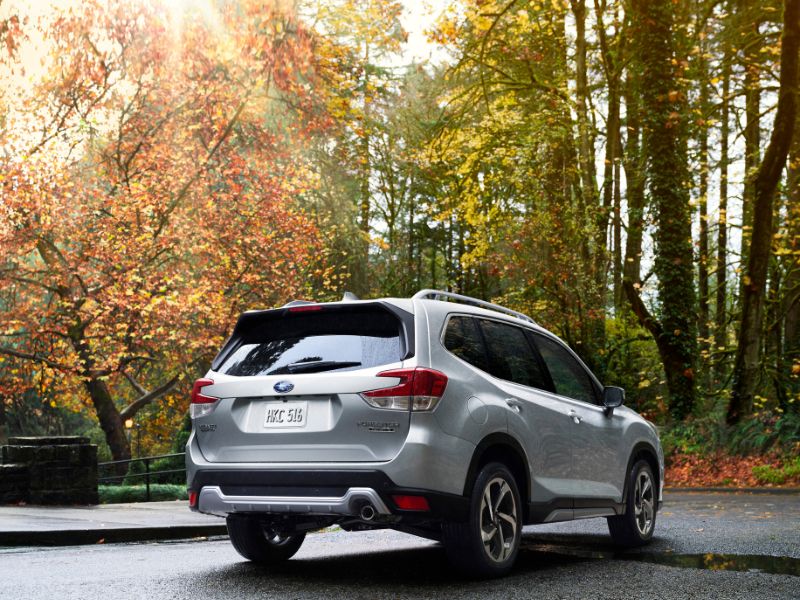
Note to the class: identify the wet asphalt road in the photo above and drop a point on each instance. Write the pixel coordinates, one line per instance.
(569, 560)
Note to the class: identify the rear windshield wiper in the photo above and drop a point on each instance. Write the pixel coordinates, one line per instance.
(319, 365)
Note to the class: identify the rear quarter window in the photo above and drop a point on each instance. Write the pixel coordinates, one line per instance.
(462, 338)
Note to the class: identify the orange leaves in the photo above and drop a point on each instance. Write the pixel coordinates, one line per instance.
(10, 32)
(719, 469)
(172, 210)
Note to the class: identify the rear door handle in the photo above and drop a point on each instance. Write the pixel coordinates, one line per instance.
(516, 405)
(576, 418)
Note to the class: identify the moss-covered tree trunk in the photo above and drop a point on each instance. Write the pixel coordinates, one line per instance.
(665, 145)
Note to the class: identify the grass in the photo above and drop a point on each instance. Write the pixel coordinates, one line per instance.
(116, 494)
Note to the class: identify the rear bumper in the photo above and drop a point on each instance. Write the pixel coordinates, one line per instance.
(212, 500)
(314, 492)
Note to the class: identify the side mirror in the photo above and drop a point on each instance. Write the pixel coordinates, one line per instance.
(612, 398)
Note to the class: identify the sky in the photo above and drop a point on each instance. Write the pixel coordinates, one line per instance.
(419, 15)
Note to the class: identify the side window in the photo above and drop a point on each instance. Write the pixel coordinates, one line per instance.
(511, 356)
(569, 376)
(463, 339)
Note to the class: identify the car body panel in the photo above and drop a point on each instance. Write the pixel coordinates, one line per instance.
(575, 468)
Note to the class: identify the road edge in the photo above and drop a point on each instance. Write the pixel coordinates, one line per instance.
(734, 490)
(83, 537)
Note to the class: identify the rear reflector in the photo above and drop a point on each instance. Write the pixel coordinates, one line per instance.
(192, 499)
(201, 405)
(411, 502)
(418, 388)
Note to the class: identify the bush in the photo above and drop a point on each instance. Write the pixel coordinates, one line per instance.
(686, 438)
(763, 432)
(760, 434)
(778, 475)
(115, 494)
(168, 464)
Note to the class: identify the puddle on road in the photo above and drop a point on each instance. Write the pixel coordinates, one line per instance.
(752, 563)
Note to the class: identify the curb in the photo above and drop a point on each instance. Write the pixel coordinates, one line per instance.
(733, 490)
(82, 537)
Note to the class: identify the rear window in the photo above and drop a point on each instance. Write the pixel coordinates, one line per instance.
(312, 342)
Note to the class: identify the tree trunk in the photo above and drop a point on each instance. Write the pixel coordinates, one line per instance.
(750, 19)
(617, 226)
(586, 140)
(592, 333)
(702, 250)
(634, 175)
(745, 374)
(721, 313)
(663, 116)
(110, 422)
(611, 193)
(791, 287)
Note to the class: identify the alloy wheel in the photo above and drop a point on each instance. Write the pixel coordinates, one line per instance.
(644, 502)
(498, 519)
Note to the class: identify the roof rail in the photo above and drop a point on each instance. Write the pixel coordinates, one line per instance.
(437, 294)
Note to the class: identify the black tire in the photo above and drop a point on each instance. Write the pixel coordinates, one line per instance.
(257, 542)
(500, 519)
(636, 526)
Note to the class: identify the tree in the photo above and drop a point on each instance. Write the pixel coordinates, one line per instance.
(358, 39)
(128, 251)
(745, 373)
(663, 119)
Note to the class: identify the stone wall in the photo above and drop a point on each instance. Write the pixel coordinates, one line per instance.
(48, 470)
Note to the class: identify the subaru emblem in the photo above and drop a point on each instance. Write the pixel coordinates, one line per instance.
(283, 387)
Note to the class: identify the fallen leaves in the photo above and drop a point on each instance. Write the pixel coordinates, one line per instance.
(721, 470)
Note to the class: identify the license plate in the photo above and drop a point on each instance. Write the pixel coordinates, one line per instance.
(286, 414)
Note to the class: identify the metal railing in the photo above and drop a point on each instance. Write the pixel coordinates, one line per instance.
(148, 474)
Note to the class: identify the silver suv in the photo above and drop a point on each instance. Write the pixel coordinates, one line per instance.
(440, 415)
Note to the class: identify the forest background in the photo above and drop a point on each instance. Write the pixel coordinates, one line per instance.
(627, 172)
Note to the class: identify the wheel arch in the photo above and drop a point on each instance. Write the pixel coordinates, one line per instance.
(642, 451)
(502, 448)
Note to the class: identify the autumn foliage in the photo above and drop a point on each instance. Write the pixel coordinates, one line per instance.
(167, 165)
(149, 200)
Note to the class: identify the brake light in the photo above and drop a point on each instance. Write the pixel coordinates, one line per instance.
(419, 388)
(200, 404)
(411, 502)
(305, 308)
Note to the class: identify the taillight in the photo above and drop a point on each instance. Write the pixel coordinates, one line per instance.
(420, 389)
(201, 405)
(192, 499)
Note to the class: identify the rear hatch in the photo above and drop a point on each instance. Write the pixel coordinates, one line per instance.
(289, 381)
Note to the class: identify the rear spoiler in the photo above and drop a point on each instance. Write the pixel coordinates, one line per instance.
(297, 308)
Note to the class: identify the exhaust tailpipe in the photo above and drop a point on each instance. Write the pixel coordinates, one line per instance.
(367, 512)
